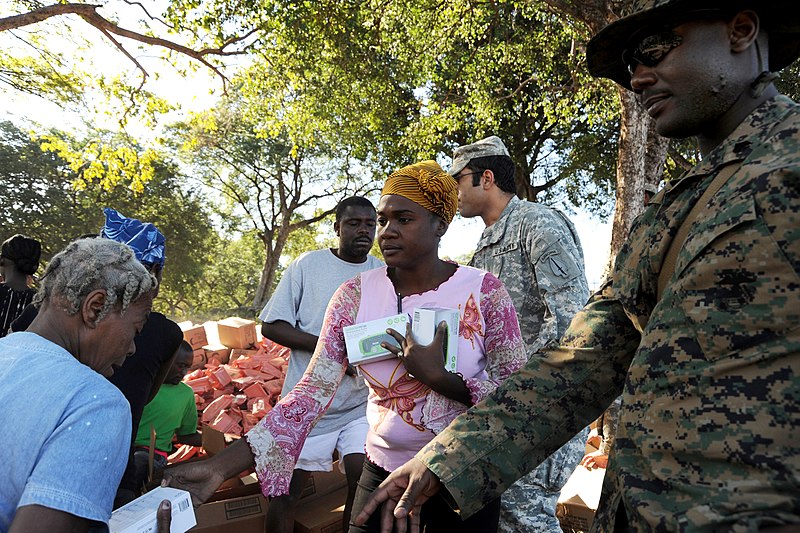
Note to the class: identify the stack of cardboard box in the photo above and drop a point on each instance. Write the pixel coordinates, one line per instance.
(243, 509)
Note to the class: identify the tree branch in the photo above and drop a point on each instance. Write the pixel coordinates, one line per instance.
(88, 12)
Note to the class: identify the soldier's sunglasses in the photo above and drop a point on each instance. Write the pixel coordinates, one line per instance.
(652, 46)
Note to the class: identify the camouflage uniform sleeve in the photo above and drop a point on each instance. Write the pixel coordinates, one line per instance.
(609, 421)
(557, 265)
(539, 408)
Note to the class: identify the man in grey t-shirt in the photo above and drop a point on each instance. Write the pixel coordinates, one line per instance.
(293, 317)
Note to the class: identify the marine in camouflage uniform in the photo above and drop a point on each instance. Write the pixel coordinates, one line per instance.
(708, 435)
(536, 253)
(709, 423)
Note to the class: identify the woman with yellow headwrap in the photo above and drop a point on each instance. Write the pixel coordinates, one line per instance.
(412, 396)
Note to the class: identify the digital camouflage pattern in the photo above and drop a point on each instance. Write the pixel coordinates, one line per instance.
(708, 431)
(536, 253)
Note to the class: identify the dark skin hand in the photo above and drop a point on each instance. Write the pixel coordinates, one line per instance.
(400, 497)
(426, 363)
(36, 518)
(203, 478)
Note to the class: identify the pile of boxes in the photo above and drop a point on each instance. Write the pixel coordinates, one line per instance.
(237, 377)
(214, 342)
(243, 509)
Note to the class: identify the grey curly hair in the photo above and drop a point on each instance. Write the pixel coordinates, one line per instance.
(86, 265)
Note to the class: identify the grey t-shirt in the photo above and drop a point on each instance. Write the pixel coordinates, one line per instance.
(300, 299)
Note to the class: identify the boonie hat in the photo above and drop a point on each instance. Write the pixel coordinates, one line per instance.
(780, 18)
(483, 148)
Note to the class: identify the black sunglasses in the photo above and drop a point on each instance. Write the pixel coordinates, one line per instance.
(653, 44)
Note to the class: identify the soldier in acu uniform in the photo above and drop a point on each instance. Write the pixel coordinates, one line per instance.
(699, 325)
(536, 253)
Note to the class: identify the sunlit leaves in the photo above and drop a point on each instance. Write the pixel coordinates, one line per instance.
(104, 163)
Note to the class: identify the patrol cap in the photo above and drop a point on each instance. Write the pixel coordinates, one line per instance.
(485, 147)
(780, 19)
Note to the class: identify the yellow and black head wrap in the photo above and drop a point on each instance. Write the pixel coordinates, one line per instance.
(426, 184)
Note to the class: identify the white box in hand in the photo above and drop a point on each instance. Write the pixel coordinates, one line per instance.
(423, 326)
(364, 340)
(139, 516)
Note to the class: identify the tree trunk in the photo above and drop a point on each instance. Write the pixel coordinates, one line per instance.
(263, 291)
(641, 160)
(273, 257)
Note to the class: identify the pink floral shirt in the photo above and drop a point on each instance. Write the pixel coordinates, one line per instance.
(404, 414)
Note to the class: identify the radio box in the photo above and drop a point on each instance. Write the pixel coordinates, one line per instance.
(139, 516)
(423, 326)
(364, 340)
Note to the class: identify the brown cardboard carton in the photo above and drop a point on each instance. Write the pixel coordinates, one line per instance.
(323, 515)
(323, 483)
(194, 335)
(579, 498)
(213, 440)
(235, 332)
(198, 359)
(236, 353)
(243, 514)
(218, 351)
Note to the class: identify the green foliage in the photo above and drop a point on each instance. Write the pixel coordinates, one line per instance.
(229, 280)
(393, 82)
(272, 176)
(40, 76)
(43, 203)
(789, 82)
(105, 160)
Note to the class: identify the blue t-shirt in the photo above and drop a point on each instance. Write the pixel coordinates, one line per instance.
(66, 431)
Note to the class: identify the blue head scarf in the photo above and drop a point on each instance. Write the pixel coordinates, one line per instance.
(143, 238)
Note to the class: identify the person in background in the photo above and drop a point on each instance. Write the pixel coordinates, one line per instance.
(172, 413)
(412, 396)
(60, 468)
(141, 375)
(697, 327)
(536, 253)
(650, 190)
(19, 260)
(602, 437)
(293, 318)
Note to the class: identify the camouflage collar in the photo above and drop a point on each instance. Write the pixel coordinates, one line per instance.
(739, 144)
(496, 232)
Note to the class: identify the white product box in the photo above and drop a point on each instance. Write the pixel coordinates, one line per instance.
(364, 340)
(139, 516)
(423, 326)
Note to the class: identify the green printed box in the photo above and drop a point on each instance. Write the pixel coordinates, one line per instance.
(364, 340)
(424, 324)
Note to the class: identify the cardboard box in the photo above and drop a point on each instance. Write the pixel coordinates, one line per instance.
(235, 332)
(243, 514)
(364, 340)
(323, 515)
(139, 516)
(579, 498)
(423, 326)
(194, 335)
(323, 483)
(219, 351)
(236, 353)
(198, 359)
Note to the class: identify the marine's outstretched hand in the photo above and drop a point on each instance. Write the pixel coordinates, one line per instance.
(402, 495)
